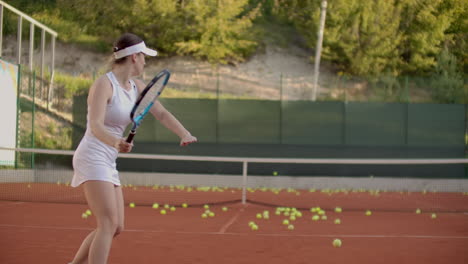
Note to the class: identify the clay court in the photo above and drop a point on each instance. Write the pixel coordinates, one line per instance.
(50, 232)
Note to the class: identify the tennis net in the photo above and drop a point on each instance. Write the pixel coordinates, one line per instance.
(41, 175)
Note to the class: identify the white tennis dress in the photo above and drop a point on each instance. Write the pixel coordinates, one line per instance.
(93, 159)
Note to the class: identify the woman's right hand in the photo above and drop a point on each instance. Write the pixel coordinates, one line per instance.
(123, 146)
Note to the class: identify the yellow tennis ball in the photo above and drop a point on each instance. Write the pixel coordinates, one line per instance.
(324, 217)
(173, 209)
(285, 222)
(211, 214)
(368, 212)
(88, 212)
(259, 216)
(163, 212)
(418, 211)
(290, 227)
(132, 205)
(275, 173)
(224, 209)
(167, 206)
(155, 206)
(206, 206)
(204, 215)
(184, 205)
(337, 243)
(433, 216)
(338, 210)
(337, 221)
(254, 227)
(315, 217)
(251, 223)
(84, 216)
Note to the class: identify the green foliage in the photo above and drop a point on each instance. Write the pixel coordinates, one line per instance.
(72, 85)
(222, 33)
(423, 24)
(447, 83)
(364, 38)
(60, 138)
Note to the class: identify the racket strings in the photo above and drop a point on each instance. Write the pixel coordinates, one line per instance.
(149, 98)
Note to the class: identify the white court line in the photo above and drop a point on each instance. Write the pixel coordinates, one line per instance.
(232, 220)
(244, 234)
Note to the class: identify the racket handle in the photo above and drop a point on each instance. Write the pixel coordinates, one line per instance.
(130, 136)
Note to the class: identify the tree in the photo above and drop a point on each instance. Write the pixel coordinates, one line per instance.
(423, 24)
(221, 30)
(360, 37)
(447, 84)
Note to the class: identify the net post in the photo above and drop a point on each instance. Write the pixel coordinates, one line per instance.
(244, 182)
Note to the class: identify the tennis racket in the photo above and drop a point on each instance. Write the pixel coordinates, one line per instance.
(146, 100)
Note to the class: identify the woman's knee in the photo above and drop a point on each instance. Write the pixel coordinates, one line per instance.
(108, 224)
(118, 230)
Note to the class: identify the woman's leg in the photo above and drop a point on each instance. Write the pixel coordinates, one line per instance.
(81, 256)
(102, 200)
(120, 209)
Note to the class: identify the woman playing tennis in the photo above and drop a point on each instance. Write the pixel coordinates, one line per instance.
(110, 102)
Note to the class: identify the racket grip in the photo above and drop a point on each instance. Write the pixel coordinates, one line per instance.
(130, 136)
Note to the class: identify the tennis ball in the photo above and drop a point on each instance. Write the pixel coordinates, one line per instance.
(290, 227)
(206, 206)
(368, 213)
(337, 243)
(433, 216)
(275, 173)
(285, 222)
(155, 206)
(204, 215)
(88, 212)
(324, 217)
(167, 206)
(84, 216)
(211, 214)
(224, 209)
(173, 209)
(132, 205)
(338, 210)
(163, 212)
(321, 212)
(259, 216)
(184, 205)
(418, 211)
(315, 217)
(251, 223)
(254, 227)
(292, 218)
(337, 221)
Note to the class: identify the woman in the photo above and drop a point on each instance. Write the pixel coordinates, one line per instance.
(110, 102)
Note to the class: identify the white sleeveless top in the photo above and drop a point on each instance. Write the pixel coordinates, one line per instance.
(93, 159)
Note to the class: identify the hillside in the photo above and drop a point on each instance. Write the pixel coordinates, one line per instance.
(261, 76)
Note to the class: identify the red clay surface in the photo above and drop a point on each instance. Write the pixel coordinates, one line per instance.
(32, 232)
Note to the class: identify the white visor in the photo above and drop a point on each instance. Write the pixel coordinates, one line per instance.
(137, 48)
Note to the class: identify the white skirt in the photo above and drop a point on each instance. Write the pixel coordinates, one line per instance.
(94, 160)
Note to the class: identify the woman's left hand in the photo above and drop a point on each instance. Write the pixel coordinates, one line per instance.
(188, 139)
